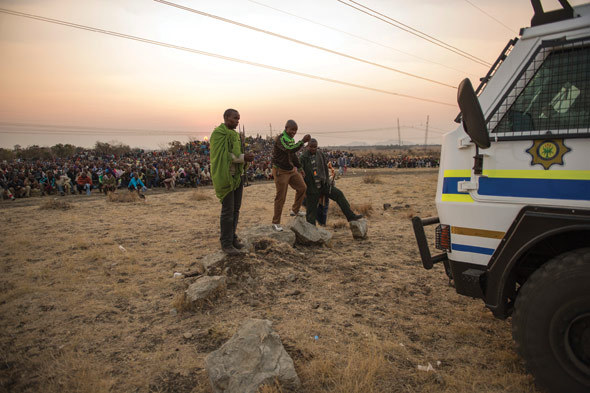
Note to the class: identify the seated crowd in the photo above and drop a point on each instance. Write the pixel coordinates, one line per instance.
(181, 166)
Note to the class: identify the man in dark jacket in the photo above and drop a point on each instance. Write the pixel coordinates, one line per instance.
(284, 166)
(317, 179)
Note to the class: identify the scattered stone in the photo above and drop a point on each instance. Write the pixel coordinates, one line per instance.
(386, 206)
(204, 289)
(426, 368)
(347, 324)
(308, 234)
(315, 305)
(173, 312)
(257, 234)
(252, 357)
(359, 228)
(187, 335)
(178, 275)
(291, 277)
(294, 293)
(407, 206)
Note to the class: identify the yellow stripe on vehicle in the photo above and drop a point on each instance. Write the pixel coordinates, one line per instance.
(477, 232)
(536, 174)
(456, 198)
(457, 173)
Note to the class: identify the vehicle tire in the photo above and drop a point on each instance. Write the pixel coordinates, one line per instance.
(551, 323)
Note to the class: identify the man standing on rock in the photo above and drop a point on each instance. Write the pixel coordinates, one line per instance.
(228, 167)
(317, 178)
(284, 166)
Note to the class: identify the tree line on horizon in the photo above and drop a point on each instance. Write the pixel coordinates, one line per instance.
(36, 152)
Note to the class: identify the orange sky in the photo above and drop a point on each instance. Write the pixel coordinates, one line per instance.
(99, 87)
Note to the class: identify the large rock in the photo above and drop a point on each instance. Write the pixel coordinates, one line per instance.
(252, 357)
(308, 234)
(213, 260)
(255, 234)
(205, 289)
(359, 228)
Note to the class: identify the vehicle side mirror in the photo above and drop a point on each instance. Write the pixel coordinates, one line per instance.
(474, 123)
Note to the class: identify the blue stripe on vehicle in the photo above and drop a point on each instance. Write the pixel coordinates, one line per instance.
(474, 249)
(450, 184)
(535, 188)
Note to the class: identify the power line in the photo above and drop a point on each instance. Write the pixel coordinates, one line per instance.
(361, 38)
(490, 16)
(416, 33)
(304, 43)
(163, 44)
(462, 52)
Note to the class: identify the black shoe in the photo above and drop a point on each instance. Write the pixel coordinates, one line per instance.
(230, 250)
(238, 244)
(356, 217)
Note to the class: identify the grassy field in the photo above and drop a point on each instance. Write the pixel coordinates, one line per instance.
(87, 295)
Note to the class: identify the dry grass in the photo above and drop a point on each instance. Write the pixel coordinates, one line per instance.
(123, 197)
(361, 370)
(372, 179)
(55, 204)
(339, 224)
(81, 315)
(181, 303)
(198, 196)
(365, 209)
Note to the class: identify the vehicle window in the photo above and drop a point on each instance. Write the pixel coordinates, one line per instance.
(552, 96)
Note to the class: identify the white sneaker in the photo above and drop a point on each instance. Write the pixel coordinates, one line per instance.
(277, 227)
(299, 213)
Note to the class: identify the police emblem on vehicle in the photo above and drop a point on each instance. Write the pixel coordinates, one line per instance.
(548, 152)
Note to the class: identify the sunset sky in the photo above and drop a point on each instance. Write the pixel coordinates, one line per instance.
(66, 85)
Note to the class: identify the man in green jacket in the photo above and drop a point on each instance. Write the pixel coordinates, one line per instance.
(317, 179)
(228, 166)
(285, 165)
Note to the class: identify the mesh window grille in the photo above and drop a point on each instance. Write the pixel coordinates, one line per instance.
(550, 98)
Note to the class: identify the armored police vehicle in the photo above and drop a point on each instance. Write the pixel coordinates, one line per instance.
(513, 195)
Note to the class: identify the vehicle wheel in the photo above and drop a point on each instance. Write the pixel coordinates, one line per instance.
(551, 323)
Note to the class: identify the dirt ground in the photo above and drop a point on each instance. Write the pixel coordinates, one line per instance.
(87, 297)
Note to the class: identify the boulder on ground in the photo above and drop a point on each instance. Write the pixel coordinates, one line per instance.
(252, 357)
(204, 289)
(308, 234)
(359, 228)
(211, 261)
(255, 234)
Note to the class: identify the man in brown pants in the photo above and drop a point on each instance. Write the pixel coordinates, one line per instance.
(284, 166)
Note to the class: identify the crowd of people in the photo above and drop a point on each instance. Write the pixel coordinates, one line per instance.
(184, 165)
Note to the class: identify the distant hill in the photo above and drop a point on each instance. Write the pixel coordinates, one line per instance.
(381, 146)
(391, 143)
